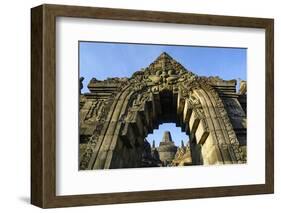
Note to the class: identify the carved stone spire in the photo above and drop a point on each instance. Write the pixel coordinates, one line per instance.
(153, 144)
(182, 144)
(167, 149)
(165, 55)
(243, 87)
(167, 137)
(164, 63)
(81, 83)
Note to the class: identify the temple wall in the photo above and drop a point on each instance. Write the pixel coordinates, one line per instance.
(118, 113)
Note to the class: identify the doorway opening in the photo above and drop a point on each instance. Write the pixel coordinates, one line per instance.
(166, 146)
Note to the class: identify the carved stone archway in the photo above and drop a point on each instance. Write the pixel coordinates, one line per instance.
(119, 113)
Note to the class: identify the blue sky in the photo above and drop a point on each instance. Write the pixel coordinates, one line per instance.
(176, 134)
(102, 60)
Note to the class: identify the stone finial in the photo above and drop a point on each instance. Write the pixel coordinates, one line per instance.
(187, 146)
(153, 144)
(243, 87)
(167, 137)
(164, 56)
(81, 83)
(182, 144)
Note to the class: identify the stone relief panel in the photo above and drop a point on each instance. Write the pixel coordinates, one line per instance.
(92, 118)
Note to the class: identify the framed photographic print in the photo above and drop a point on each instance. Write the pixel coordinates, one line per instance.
(136, 106)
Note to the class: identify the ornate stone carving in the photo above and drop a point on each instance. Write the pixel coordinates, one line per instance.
(142, 91)
(81, 83)
(183, 156)
(229, 128)
(233, 109)
(96, 115)
(243, 87)
(86, 156)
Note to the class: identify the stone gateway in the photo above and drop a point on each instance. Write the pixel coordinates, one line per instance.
(118, 114)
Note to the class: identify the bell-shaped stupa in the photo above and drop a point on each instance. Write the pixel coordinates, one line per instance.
(167, 148)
